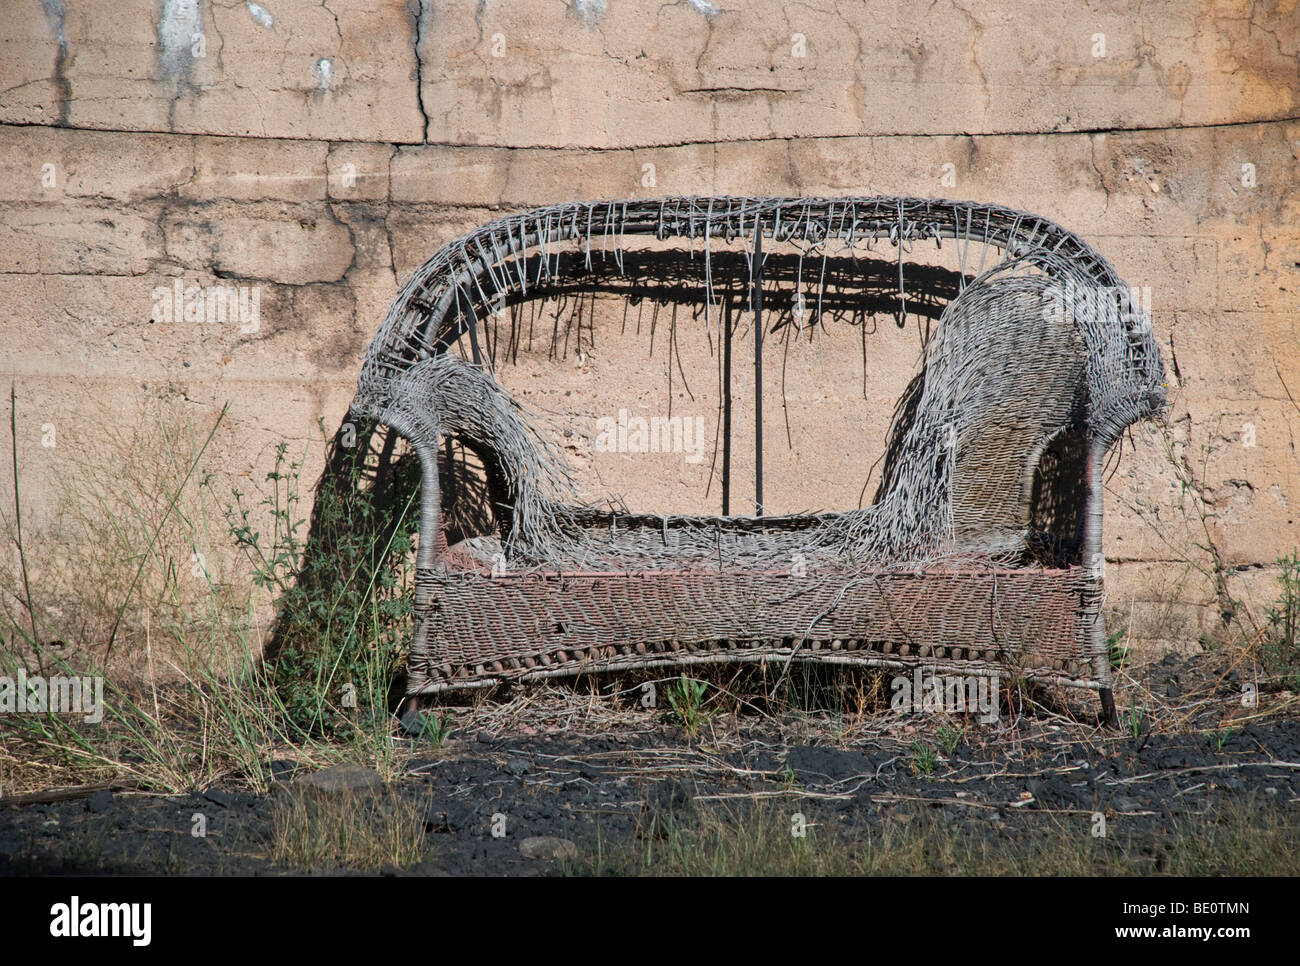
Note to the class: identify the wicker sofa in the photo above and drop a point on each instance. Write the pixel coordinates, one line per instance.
(980, 554)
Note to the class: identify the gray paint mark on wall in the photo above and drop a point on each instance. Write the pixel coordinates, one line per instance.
(180, 22)
(54, 13)
(260, 14)
(590, 10)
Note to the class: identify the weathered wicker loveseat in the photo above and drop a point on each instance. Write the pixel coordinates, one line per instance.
(981, 552)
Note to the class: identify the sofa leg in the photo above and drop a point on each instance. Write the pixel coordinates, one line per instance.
(1109, 716)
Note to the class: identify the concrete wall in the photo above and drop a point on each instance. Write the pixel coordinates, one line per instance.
(321, 151)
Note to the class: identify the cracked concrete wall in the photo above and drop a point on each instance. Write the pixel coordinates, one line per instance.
(320, 151)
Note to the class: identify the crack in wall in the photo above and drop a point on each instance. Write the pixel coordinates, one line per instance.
(691, 142)
(417, 8)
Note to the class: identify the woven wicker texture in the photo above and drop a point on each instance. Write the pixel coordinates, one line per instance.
(983, 542)
(525, 626)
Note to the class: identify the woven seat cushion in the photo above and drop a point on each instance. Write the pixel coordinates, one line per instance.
(482, 628)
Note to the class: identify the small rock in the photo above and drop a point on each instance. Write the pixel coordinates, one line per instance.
(283, 769)
(339, 779)
(217, 797)
(518, 767)
(1123, 803)
(547, 847)
(101, 801)
(1172, 691)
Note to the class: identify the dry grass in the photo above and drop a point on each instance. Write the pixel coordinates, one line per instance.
(1245, 838)
(139, 584)
(363, 832)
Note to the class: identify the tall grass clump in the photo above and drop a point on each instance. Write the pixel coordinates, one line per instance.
(1281, 655)
(160, 576)
(342, 580)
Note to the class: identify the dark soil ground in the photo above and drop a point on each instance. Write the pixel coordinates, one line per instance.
(606, 783)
